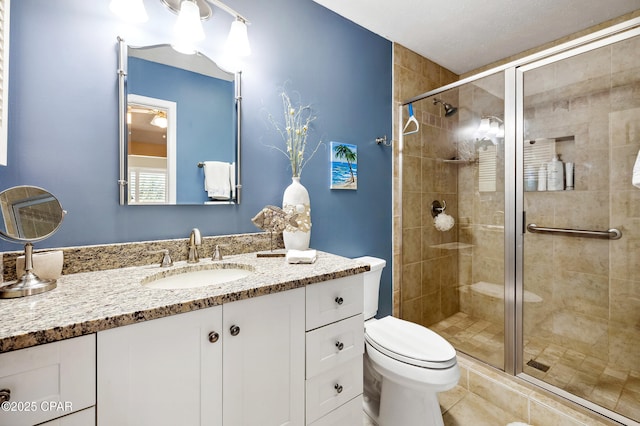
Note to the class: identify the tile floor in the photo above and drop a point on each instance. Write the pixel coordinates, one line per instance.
(610, 386)
(463, 408)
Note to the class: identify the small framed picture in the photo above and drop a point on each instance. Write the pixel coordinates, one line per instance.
(344, 166)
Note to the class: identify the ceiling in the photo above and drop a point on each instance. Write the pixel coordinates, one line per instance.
(463, 35)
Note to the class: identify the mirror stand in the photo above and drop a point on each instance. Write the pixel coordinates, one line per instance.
(29, 284)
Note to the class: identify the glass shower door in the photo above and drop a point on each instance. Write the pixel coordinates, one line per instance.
(580, 296)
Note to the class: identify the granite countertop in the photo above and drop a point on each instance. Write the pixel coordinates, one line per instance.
(89, 302)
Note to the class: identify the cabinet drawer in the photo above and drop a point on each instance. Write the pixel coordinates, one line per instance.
(334, 300)
(349, 414)
(329, 346)
(330, 390)
(49, 381)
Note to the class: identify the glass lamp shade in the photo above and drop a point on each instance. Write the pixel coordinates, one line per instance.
(188, 28)
(485, 126)
(160, 120)
(129, 10)
(238, 41)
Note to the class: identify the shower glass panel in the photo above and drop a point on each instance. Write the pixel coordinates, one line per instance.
(453, 279)
(581, 298)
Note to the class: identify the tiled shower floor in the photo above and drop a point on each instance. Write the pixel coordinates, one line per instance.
(610, 386)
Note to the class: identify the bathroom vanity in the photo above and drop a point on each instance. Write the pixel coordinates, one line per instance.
(282, 346)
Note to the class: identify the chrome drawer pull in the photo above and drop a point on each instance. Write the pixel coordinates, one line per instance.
(5, 395)
(339, 300)
(213, 337)
(338, 388)
(234, 330)
(340, 346)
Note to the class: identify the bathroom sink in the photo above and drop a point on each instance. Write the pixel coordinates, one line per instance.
(197, 277)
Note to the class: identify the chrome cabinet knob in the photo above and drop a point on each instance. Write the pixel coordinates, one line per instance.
(338, 388)
(213, 337)
(5, 395)
(339, 300)
(234, 330)
(340, 346)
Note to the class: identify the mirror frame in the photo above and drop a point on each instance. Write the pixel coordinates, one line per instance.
(122, 126)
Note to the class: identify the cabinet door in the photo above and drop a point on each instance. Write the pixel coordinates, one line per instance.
(81, 418)
(48, 381)
(162, 372)
(264, 360)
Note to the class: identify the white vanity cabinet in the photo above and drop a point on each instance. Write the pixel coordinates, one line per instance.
(334, 350)
(49, 381)
(241, 363)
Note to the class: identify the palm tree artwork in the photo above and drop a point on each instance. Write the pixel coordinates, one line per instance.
(344, 166)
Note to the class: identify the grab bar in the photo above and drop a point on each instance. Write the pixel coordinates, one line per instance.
(610, 234)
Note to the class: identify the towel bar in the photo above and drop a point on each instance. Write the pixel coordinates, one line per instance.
(610, 234)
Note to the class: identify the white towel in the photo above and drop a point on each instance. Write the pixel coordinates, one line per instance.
(301, 256)
(636, 172)
(217, 181)
(232, 179)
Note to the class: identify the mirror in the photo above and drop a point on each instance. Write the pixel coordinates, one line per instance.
(29, 214)
(179, 128)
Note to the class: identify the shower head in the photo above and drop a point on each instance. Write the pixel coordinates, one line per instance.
(449, 109)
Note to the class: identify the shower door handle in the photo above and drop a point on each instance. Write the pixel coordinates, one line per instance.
(610, 234)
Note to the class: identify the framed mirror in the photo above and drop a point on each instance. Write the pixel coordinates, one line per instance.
(179, 121)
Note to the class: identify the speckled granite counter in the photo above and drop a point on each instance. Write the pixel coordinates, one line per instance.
(89, 302)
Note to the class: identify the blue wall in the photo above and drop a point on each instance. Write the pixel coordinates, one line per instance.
(208, 101)
(63, 127)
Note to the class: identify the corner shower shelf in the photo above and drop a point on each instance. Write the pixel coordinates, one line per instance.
(452, 246)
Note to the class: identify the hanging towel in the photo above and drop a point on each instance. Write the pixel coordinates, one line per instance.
(636, 172)
(232, 179)
(217, 181)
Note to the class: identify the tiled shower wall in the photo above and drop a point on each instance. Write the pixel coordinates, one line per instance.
(418, 294)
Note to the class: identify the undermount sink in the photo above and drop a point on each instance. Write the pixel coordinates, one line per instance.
(193, 277)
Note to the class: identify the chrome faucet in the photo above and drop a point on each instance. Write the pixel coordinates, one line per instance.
(195, 240)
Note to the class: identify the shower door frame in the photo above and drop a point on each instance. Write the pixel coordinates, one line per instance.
(514, 221)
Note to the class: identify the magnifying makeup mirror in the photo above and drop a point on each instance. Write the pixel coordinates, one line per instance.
(29, 214)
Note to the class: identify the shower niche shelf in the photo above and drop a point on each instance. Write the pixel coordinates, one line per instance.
(459, 161)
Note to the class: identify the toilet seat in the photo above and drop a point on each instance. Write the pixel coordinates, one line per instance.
(410, 343)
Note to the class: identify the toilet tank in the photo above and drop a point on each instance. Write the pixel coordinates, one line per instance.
(372, 284)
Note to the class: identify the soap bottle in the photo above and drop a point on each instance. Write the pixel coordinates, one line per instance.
(555, 175)
(542, 178)
(530, 179)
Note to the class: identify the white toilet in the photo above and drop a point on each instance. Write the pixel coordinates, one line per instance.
(405, 364)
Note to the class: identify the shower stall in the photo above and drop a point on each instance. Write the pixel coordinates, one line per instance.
(540, 274)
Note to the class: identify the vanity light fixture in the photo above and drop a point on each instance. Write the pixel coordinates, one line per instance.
(129, 10)
(490, 126)
(188, 29)
(160, 120)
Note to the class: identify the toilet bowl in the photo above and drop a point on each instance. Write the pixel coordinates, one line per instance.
(405, 364)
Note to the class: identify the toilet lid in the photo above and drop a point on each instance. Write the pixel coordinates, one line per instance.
(410, 343)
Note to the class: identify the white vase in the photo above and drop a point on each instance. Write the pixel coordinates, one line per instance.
(296, 201)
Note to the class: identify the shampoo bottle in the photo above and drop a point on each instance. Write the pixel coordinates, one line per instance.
(530, 179)
(542, 178)
(555, 175)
